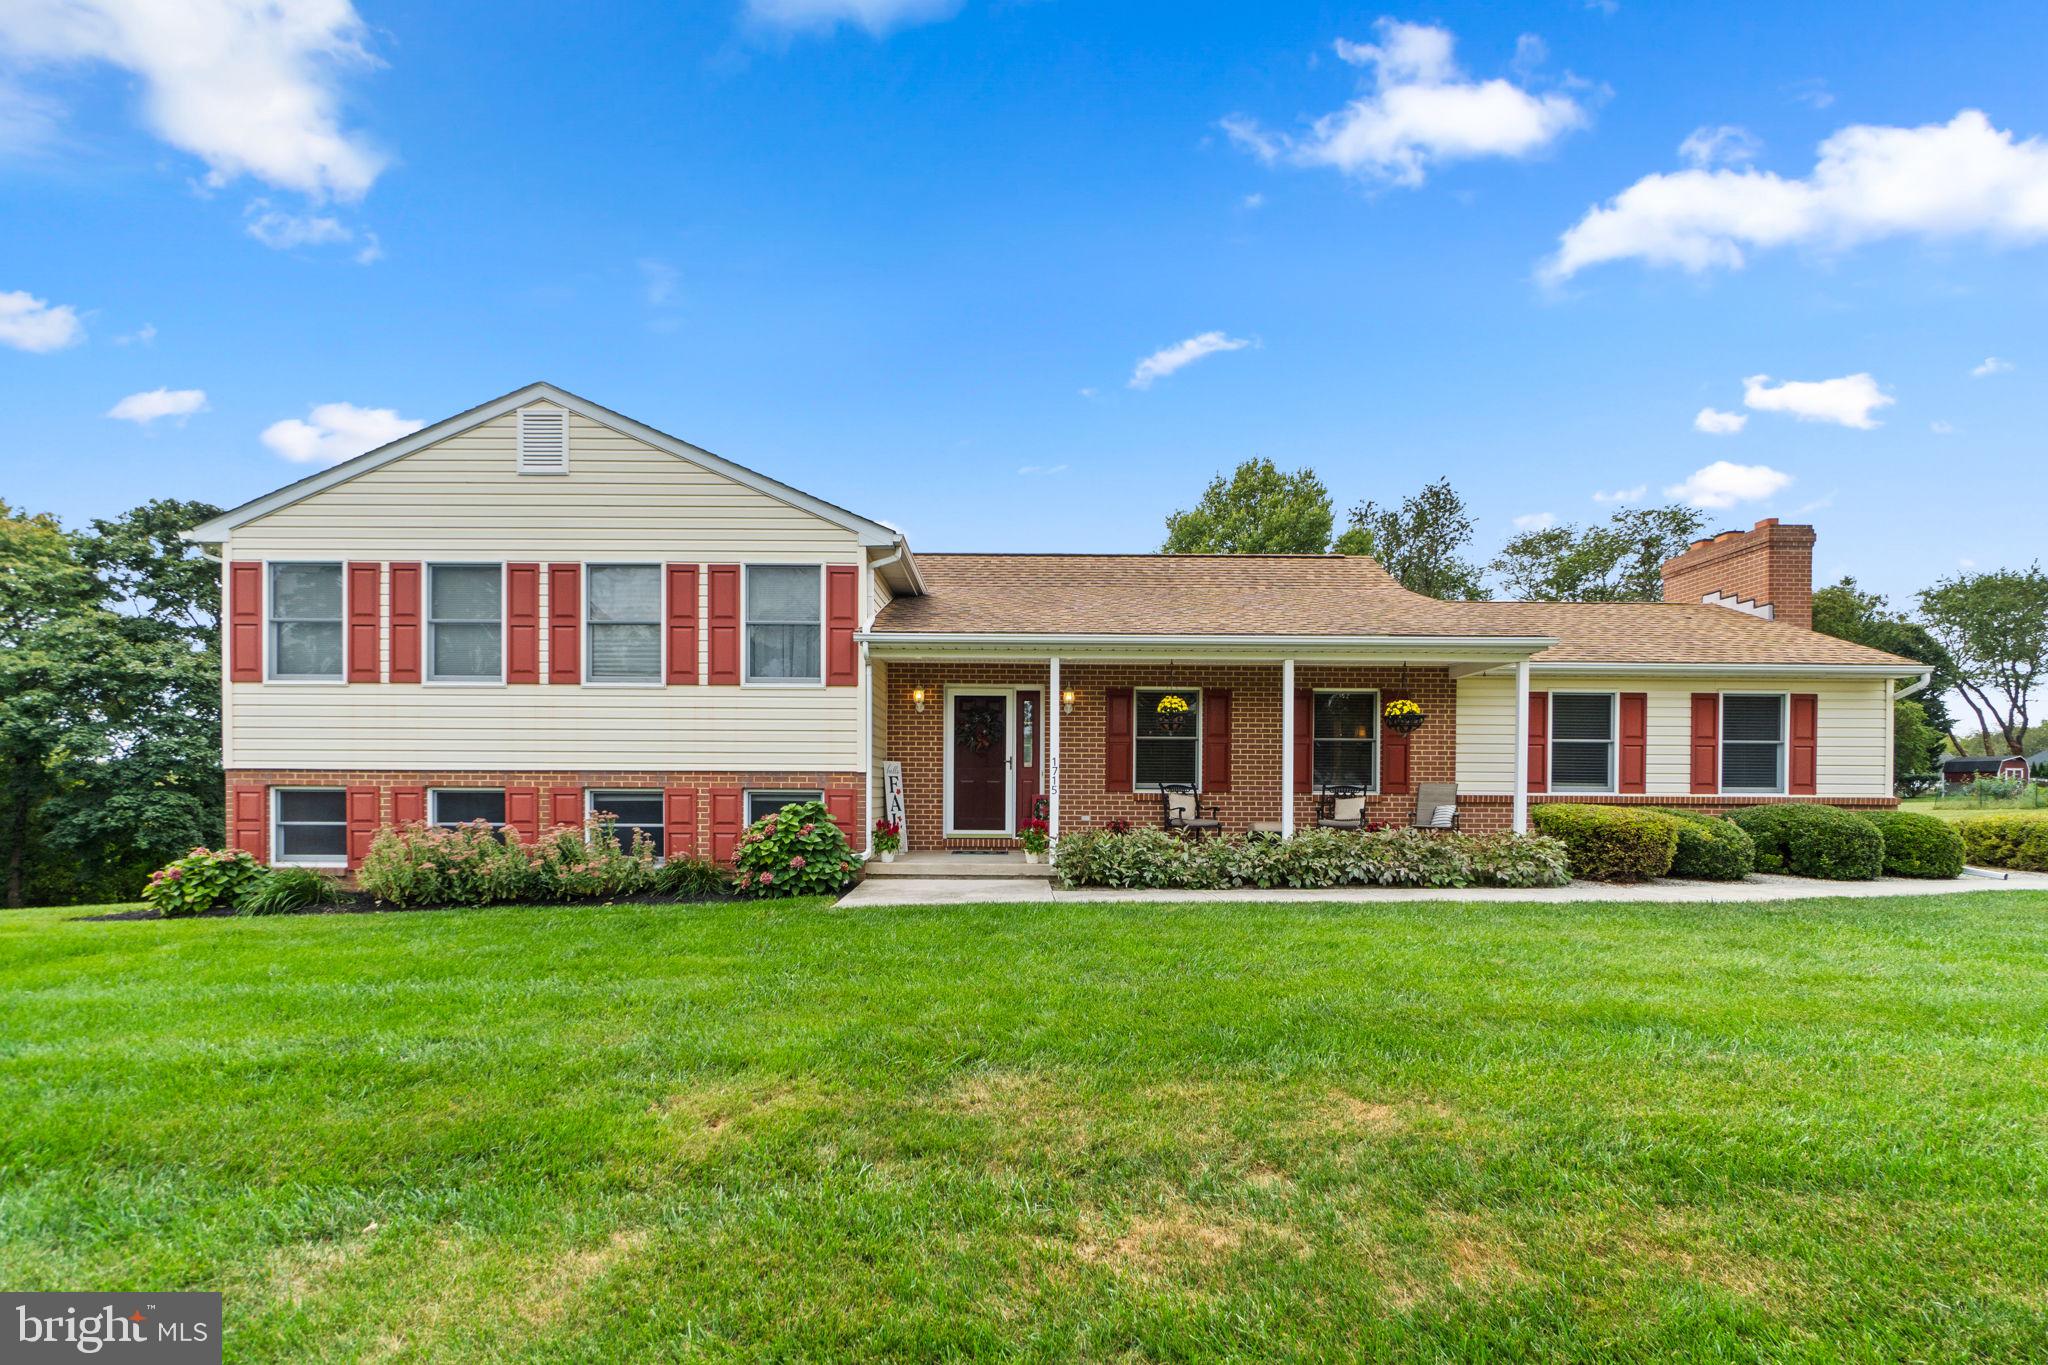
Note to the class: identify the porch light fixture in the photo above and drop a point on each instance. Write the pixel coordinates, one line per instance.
(1067, 702)
(917, 695)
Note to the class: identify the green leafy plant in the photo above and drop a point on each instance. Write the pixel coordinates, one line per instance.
(201, 880)
(470, 864)
(1034, 835)
(1917, 845)
(1811, 840)
(286, 890)
(1611, 843)
(1711, 847)
(795, 851)
(888, 835)
(1314, 858)
(2015, 841)
(693, 879)
(587, 863)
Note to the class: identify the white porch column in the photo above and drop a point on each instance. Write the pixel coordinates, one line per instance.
(1287, 748)
(1521, 824)
(1053, 706)
(867, 747)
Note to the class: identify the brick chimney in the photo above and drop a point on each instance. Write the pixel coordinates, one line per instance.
(1766, 571)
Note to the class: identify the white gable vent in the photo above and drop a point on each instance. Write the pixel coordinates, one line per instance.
(543, 441)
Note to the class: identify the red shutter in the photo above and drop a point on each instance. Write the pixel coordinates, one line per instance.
(840, 805)
(728, 822)
(679, 808)
(1635, 742)
(522, 623)
(565, 626)
(522, 812)
(364, 610)
(1803, 775)
(1394, 757)
(1216, 739)
(362, 823)
(565, 807)
(1706, 743)
(245, 621)
(249, 819)
(404, 590)
(408, 805)
(1539, 741)
(682, 625)
(725, 625)
(1304, 739)
(1116, 739)
(842, 596)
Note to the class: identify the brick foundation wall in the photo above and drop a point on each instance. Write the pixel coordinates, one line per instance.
(917, 738)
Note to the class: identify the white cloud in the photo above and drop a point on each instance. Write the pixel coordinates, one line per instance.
(1727, 145)
(1812, 92)
(1165, 361)
(1418, 110)
(1942, 180)
(1992, 365)
(1722, 484)
(281, 231)
(28, 323)
(1636, 494)
(250, 88)
(1847, 401)
(1942, 428)
(145, 335)
(1088, 393)
(876, 16)
(149, 406)
(336, 431)
(1253, 201)
(1031, 470)
(1714, 422)
(660, 281)
(1535, 521)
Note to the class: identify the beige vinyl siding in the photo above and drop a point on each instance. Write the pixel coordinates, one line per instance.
(1854, 727)
(622, 502)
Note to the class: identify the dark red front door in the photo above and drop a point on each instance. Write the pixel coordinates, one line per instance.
(981, 769)
(1028, 752)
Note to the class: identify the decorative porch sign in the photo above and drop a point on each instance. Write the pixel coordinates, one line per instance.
(892, 797)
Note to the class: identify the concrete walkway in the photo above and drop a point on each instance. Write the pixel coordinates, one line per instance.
(969, 891)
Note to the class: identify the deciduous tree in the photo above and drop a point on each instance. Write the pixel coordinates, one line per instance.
(1421, 542)
(1995, 628)
(1258, 510)
(1621, 561)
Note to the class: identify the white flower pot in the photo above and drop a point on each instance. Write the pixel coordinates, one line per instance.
(888, 855)
(1031, 857)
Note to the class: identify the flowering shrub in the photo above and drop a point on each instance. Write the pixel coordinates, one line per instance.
(888, 835)
(1311, 859)
(583, 863)
(1033, 833)
(200, 880)
(795, 851)
(474, 864)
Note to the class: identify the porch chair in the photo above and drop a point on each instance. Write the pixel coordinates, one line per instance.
(1341, 808)
(1181, 811)
(1436, 805)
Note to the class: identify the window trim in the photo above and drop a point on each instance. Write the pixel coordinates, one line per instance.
(748, 794)
(747, 567)
(1201, 728)
(434, 820)
(1784, 746)
(429, 568)
(277, 828)
(655, 794)
(1613, 787)
(270, 649)
(661, 620)
(1379, 733)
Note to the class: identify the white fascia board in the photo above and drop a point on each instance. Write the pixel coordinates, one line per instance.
(1836, 670)
(218, 529)
(1502, 647)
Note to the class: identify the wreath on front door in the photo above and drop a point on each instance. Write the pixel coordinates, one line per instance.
(979, 731)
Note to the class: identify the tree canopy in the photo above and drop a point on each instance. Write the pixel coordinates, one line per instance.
(1258, 510)
(1621, 561)
(1995, 628)
(1421, 543)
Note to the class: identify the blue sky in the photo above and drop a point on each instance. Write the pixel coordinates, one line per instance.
(913, 256)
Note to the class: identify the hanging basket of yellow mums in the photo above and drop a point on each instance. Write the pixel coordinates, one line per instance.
(1404, 717)
(1173, 713)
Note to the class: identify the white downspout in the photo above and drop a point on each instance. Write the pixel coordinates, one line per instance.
(1287, 748)
(1521, 819)
(1054, 705)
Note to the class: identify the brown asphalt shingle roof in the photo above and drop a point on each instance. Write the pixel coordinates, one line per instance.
(1333, 595)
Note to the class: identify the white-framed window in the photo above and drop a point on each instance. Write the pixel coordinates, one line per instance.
(1753, 741)
(761, 803)
(1168, 738)
(624, 623)
(449, 807)
(1582, 741)
(1345, 730)
(634, 812)
(466, 622)
(309, 826)
(305, 622)
(785, 631)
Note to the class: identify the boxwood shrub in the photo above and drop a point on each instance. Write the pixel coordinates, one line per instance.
(1810, 840)
(1711, 848)
(1314, 858)
(2016, 841)
(1917, 845)
(1611, 843)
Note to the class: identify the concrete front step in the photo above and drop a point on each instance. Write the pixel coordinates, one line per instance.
(966, 866)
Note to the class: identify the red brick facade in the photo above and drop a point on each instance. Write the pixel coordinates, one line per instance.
(1769, 564)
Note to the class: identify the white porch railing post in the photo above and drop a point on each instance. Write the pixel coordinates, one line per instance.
(1287, 748)
(1521, 820)
(1053, 707)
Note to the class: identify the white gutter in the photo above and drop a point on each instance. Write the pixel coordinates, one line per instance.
(1708, 666)
(1501, 643)
(1916, 689)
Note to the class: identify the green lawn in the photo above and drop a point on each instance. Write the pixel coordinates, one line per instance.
(1810, 1131)
(2034, 804)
